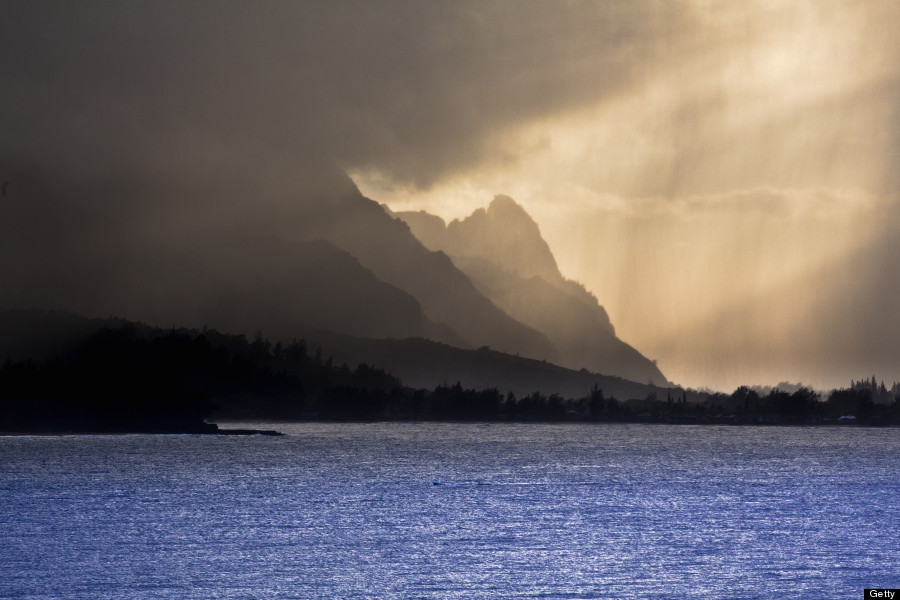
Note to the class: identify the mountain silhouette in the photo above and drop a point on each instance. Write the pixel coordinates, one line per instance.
(65, 250)
(504, 231)
(309, 283)
(388, 248)
(293, 249)
(37, 336)
(296, 248)
(421, 363)
(502, 251)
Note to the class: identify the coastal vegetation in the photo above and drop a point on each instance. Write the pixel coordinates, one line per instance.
(129, 377)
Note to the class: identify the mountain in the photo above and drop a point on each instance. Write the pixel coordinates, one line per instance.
(502, 251)
(33, 336)
(290, 248)
(504, 232)
(387, 247)
(60, 254)
(321, 202)
(426, 364)
(305, 283)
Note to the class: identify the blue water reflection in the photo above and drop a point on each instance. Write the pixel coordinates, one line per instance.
(522, 511)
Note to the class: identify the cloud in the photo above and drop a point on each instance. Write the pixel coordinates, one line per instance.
(766, 202)
(785, 95)
(419, 90)
(675, 97)
(709, 146)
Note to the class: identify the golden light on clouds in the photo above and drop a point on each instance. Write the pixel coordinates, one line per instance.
(722, 174)
(721, 177)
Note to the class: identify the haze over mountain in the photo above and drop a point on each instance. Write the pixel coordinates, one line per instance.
(390, 251)
(501, 249)
(684, 160)
(316, 256)
(167, 255)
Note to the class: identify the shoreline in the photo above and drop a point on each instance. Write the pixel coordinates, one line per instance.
(241, 431)
(227, 432)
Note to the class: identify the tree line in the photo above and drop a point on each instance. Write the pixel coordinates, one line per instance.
(124, 379)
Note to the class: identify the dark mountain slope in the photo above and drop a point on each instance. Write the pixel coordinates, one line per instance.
(582, 337)
(426, 364)
(502, 251)
(67, 373)
(314, 208)
(308, 284)
(62, 247)
(232, 249)
(388, 248)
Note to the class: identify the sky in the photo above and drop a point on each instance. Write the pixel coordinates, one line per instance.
(721, 175)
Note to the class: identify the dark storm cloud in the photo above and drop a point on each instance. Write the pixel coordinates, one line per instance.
(416, 89)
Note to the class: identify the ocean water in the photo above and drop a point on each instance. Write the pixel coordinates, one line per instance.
(522, 511)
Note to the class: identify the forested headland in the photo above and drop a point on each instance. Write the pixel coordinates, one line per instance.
(127, 377)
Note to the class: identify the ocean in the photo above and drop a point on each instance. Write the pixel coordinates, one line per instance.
(444, 511)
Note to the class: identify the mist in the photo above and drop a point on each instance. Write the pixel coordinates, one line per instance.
(721, 177)
(713, 205)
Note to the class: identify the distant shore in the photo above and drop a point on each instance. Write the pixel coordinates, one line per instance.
(276, 433)
(45, 433)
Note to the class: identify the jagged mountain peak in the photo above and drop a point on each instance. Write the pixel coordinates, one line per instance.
(502, 251)
(502, 206)
(506, 232)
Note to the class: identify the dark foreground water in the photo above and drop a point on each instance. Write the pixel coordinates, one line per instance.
(525, 511)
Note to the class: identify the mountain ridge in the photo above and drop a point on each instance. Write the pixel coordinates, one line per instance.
(503, 252)
(286, 250)
(36, 335)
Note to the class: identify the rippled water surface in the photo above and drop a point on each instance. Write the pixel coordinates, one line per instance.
(522, 511)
